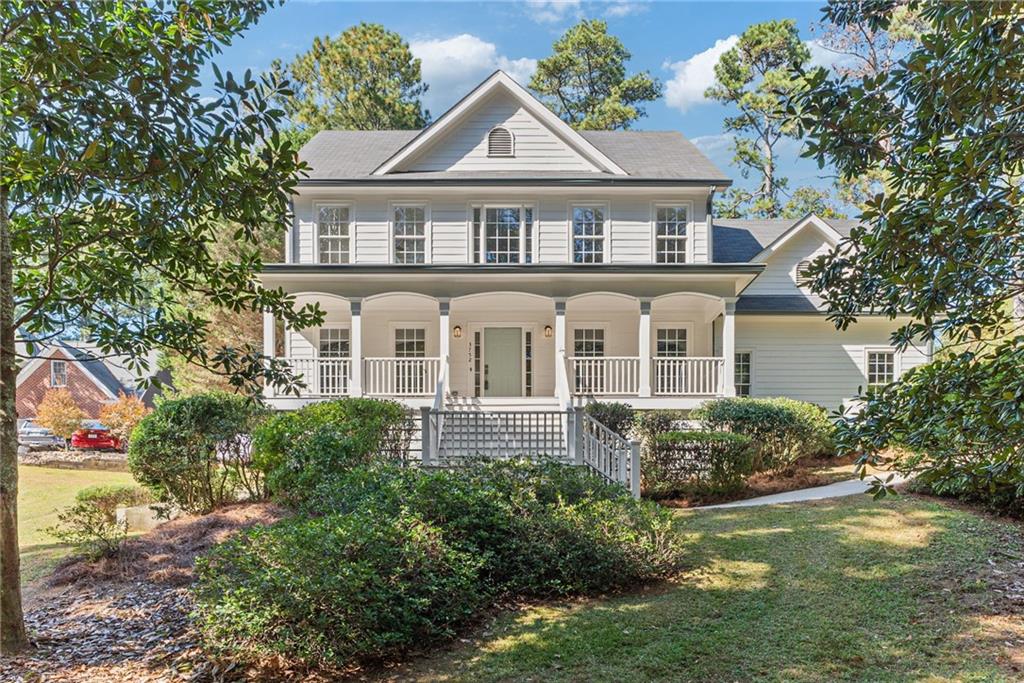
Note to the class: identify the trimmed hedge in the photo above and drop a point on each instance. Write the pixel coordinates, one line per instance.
(618, 417)
(107, 497)
(783, 429)
(709, 462)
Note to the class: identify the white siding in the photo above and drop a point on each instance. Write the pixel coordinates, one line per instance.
(465, 148)
(779, 276)
(806, 358)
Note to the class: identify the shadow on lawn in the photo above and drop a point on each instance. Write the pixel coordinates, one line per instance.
(838, 590)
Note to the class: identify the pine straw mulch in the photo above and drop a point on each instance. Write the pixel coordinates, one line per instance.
(127, 618)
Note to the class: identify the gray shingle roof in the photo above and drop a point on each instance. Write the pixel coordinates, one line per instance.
(777, 303)
(738, 241)
(352, 155)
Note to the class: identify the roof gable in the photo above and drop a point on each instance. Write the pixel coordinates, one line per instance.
(499, 100)
(810, 220)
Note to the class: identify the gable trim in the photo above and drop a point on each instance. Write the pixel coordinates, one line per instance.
(810, 219)
(499, 79)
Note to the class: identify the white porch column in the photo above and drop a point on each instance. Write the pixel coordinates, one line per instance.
(560, 325)
(644, 348)
(355, 342)
(444, 340)
(269, 345)
(729, 347)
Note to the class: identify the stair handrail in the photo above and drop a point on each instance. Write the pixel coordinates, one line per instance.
(611, 455)
(440, 394)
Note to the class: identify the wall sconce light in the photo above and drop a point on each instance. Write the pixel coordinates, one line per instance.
(457, 332)
(547, 331)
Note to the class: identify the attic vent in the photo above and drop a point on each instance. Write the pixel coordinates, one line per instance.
(499, 142)
(803, 276)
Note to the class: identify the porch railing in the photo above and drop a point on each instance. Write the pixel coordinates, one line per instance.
(605, 375)
(612, 456)
(401, 376)
(322, 376)
(689, 376)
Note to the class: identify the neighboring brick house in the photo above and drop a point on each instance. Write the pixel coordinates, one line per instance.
(92, 380)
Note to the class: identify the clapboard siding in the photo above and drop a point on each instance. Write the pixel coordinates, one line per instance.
(779, 276)
(806, 358)
(465, 148)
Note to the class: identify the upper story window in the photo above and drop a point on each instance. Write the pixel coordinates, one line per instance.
(333, 231)
(409, 234)
(588, 238)
(500, 143)
(803, 277)
(670, 233)
(58, 373)
(503, 234)
(881, 367)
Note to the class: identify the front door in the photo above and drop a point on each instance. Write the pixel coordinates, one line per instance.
(503, 361)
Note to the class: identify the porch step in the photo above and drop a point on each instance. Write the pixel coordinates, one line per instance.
(501, 404)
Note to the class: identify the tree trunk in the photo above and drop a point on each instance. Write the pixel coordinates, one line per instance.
(12, 623)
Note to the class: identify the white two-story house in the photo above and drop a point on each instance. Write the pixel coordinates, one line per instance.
(499, 260)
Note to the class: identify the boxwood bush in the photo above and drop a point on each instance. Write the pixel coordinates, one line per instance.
(697, 462)
(618, 417)
(783, 429)
(300, 452)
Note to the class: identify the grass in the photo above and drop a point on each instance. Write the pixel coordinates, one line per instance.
(840, 590)
(42, 491)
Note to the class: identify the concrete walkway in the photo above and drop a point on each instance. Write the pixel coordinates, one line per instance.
(839, 489)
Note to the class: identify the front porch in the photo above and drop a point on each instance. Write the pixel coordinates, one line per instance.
(513, 349)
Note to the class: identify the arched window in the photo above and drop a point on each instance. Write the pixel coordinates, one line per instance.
(499, 142)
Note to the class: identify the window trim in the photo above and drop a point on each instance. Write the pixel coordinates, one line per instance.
(335, 326)
(606, 230)
(753, 364)
(897, 368)
(428, 229)
(570, 335)
(690, 223)
(500, 204)
(396, 325)
(351, 228)
(64, 363)
(512, 143)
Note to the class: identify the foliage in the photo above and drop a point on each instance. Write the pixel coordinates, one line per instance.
(705, 462)
(783, 429)
(649, 424)
(365, 79)
(584, 82)
(806, 199)
(88, 527)
(942, 243)
(865, 49)
(618, 417)
(194, 452)
(122, 416)
(327, 591)
(107, 497)
(756, 77)
(59, 412)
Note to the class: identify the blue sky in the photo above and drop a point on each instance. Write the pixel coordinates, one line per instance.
(460, 43)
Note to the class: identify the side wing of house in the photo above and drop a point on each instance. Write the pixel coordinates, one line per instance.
(56, 369)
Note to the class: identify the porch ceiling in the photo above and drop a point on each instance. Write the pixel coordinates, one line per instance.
(549, 280)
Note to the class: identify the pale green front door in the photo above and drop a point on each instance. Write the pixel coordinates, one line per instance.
(503, 361)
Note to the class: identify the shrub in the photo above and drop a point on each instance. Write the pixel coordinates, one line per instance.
(90, 529)
(194, 452)
(697, 462)
(651, 423)
(783, 429)
(302, 451)
(107, 497)
(330, 591)
(617, 417)
(123, 415)
(59, 413)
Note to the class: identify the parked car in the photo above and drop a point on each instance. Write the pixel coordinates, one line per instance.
(94, 436)
(32, 435)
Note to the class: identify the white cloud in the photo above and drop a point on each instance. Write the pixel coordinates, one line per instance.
(714, 144)
(624, 8)
(454, 66)
(551, 11)
(694, 75)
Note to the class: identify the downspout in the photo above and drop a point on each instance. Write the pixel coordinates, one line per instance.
(710, 222)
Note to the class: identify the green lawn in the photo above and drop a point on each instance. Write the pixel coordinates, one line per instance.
(844, 590)
(42, 492)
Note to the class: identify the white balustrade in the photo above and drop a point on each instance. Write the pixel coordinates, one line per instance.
(605, 375)
(401, 376)
(688, 376)
(322, 376)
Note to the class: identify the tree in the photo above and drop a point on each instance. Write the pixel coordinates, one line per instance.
(756, 77)
(113, 173)
(121, 416)
(584, 82)
(943, 241)
(806, 199)
(59, 413)
(365, 79)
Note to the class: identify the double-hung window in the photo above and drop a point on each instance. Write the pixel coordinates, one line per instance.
(333, 372)
(503, 234)
(669, 371)
(333, 231)
(742, 373)
(410, 373)
(670, 233)
(588, 343)
(588, 234)
(409, 234)
(881, 367)
(58, 373)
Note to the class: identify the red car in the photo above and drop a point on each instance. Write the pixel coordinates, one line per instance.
(95, 437)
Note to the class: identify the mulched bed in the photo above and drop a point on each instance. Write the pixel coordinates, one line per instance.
(126, 619)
